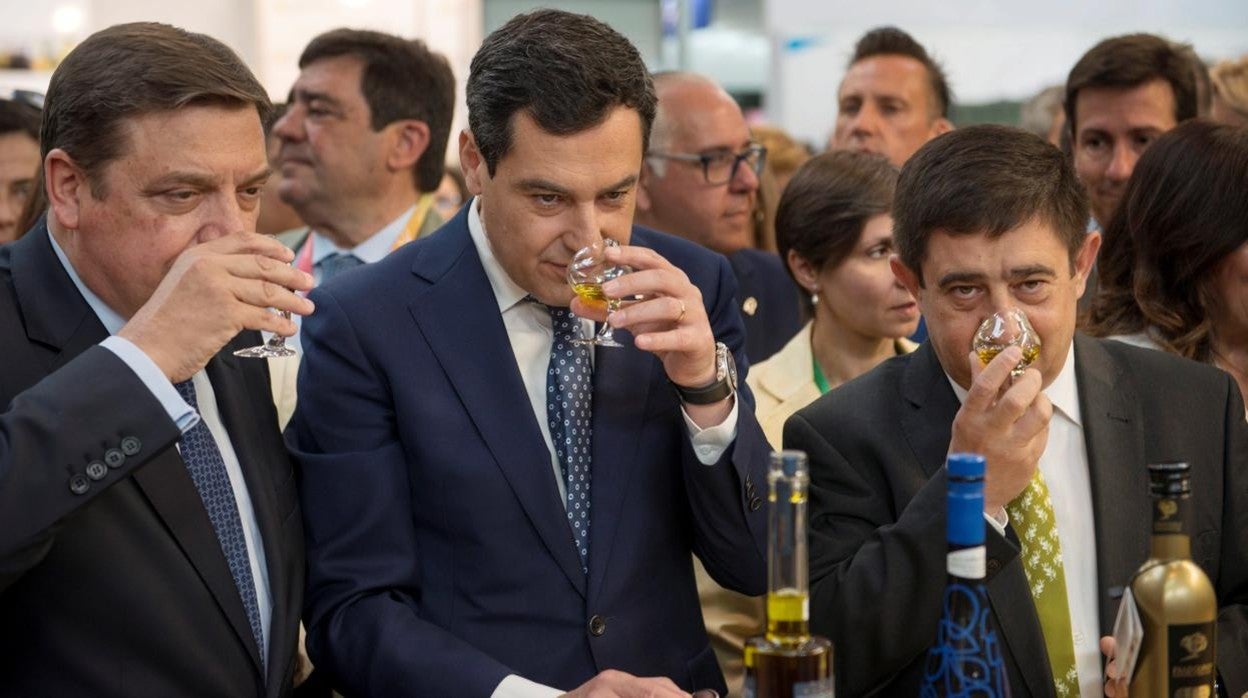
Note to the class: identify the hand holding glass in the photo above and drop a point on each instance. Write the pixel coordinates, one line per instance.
(587, 272)
(273, 348)
(1004, 329)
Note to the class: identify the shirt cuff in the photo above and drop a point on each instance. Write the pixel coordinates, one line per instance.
(514, 686)
(181, 413)
(710, 443)
(998, 524)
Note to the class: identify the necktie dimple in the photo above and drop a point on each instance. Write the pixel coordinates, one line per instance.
(207, 469)
(1031, 515)
(334, 264)
(569, 396)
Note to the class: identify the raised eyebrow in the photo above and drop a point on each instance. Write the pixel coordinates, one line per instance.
(955, 278)
(1018, 273)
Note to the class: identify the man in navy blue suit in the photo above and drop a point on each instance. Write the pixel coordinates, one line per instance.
(491, 508)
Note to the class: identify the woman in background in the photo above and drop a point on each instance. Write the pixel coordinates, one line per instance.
(1177, 275)
(834, 231)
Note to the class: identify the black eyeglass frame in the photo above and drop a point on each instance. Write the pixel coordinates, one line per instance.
(756, 151)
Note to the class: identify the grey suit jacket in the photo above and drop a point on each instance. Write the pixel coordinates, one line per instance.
(877, 511)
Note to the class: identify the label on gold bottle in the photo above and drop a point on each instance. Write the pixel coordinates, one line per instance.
(1192, 660)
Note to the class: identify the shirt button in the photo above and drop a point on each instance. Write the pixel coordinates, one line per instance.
(131, 445)
(114, 457)
(704, 450)
(994, 566)
(96, 470)
(597, 626)
(79, 484)
(1078, 637)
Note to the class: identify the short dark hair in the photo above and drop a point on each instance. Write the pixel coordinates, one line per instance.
(403, 79)
(130, 70)
(19, 117)
(1182, 213)
(827, 204)
(1130, 61)
(985, 179)
(565, 70)
(891, 41)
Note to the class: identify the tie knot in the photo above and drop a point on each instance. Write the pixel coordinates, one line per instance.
(336, 263)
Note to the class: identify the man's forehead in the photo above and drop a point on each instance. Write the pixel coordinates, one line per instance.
(1032, 243)
(333, 75)
(886, 74)
(1147, 105)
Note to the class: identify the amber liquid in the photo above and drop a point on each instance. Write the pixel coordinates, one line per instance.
(1030, 354)
(787, 656)
(591, 293)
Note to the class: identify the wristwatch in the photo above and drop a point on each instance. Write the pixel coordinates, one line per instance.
(725, 382)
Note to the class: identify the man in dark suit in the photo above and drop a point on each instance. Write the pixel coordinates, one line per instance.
(988, 218)
(491, 509)
(700, 181)
(150, 542)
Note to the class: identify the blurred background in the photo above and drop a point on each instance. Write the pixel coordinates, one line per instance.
(781, 59)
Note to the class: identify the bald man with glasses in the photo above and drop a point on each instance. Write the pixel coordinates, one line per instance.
(700, 181)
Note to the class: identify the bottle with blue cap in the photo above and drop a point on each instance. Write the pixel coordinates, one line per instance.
(966, 658)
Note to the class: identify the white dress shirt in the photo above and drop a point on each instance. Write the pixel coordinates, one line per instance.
(1064, 465)
(185, 418)
(529, 330)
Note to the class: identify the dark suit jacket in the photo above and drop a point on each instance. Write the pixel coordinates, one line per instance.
(769, 301)
(123, 590)
(877, 512)
(440, 555)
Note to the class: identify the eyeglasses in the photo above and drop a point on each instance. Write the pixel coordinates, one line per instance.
(28, 97)
(721, 166)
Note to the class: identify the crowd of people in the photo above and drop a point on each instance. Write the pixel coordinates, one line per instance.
(450, 491)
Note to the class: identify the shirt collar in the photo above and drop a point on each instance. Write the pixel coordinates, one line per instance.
(371, 250)
(506, 291)
(1063, 392)
(112, 321)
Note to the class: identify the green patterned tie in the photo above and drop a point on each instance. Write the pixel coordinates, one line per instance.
(1031, 515)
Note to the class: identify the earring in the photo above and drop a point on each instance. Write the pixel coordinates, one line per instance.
(814, 296)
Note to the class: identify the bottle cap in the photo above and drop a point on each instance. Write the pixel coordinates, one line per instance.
(789, 463)
(966, 466)
(1169, 479)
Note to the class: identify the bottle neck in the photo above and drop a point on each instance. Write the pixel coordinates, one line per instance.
(1170, 540)
(965, 528)
(788, 606)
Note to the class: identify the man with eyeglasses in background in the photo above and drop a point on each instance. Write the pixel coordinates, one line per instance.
(19, 158)
(700, 181)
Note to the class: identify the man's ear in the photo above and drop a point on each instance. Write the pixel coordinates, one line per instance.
(1084, 260)
(67, 186)
(471, 163)
(908, 278)
(646, 180)
(940, 127)
(410, 140)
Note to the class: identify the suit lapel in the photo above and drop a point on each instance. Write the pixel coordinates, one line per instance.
(1115, 447)
(458, 316)
(622, 380)
(929, 429)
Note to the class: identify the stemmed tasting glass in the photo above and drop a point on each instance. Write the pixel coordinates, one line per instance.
(587, 272)
(1003, 329)
(273, 348)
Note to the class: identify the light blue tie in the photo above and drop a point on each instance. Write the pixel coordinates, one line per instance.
(569, 403)
(334, 264)
(207, 468)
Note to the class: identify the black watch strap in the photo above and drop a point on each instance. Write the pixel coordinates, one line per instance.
(709, 395)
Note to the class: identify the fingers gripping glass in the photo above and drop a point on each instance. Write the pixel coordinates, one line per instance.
(721, 166)
(274, 347)
(1004, 329)
(587, 272)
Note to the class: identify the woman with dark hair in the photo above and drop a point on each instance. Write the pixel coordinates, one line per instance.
(834, 231)
(1174, 270)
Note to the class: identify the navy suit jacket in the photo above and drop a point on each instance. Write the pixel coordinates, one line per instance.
(440, 555)
(770, 301)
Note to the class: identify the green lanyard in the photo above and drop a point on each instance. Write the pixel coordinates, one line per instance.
(820, 381)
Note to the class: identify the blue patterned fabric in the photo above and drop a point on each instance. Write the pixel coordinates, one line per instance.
(569, 402)
(336, 263)
(207, 468)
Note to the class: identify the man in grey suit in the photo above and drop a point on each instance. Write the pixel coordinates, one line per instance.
(988, 218)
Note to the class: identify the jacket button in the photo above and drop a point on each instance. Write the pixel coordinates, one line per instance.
(755, 503)
(79, 484)
(114, 458)
(994, 566)
(96, 470)
(131, 445)
(597, 626)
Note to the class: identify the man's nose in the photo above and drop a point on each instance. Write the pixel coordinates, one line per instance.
(290, 126)
(866, 121)
(1123, 163)
(744, 179)
(224, 216)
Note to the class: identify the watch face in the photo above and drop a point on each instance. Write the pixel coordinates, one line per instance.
(727, 365)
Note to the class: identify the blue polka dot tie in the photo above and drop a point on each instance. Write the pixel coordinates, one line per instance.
(569, 401)
(207, 468)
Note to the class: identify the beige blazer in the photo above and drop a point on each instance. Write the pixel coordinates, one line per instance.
(282, 375)
(782, 385)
